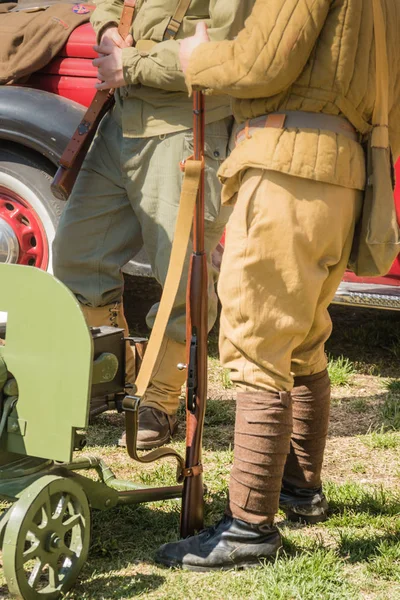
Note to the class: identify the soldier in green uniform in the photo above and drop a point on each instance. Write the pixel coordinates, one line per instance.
(127, 194)
(303, 77)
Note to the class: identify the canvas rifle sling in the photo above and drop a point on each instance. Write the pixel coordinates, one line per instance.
(187, 203)
(190, 187)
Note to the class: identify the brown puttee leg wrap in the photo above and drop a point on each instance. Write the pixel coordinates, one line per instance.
(311, 405)
(262, 442)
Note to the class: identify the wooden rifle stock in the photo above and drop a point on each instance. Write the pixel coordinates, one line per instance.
(74, 154)
(197, 333)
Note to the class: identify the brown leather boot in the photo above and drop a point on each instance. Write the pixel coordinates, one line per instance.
(302, 498)
(156, 428)
(157, 412)
(262, 442)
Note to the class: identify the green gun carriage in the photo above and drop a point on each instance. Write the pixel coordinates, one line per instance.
(51, 367)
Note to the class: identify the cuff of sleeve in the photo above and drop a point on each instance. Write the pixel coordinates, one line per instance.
(195, 76)
(130, 60)
(102, 29)
(206, 68)
(196, 69)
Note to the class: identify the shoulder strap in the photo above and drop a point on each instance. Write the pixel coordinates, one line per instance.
(176, 20)
(380, 117)
(126, 21)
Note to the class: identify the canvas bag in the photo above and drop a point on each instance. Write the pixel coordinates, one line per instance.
(377, 238)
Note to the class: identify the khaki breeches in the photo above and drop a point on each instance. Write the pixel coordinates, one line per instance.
(287, 247)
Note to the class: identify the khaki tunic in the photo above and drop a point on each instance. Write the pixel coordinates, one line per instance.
(155, 100)
(309, 55)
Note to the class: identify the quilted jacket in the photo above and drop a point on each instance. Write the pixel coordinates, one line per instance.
(308, 55)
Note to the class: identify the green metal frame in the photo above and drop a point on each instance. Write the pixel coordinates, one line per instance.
(49, 352)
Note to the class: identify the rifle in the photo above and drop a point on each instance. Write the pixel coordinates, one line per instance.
(192, 202)
(196, 335)
(73, 156)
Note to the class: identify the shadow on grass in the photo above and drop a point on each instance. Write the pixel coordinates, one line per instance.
(118, 587)
(359, 549)
(106, 429)
(369, 338)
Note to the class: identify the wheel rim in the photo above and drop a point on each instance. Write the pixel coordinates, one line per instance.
(23, 238)
(46, 541)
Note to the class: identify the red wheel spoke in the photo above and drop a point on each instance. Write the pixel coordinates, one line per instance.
(14, 214)
(26, 240)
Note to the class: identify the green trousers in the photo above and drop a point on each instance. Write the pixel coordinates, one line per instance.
(127, 196)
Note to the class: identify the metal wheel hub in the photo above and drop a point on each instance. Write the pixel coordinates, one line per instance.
(9, 247)
(54, 543)
(22, 236)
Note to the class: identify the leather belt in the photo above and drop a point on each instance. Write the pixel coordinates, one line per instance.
(298, 120)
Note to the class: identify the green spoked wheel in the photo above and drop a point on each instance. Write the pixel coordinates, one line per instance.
(46, 541)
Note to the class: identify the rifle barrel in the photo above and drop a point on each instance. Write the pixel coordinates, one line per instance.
(199, 143)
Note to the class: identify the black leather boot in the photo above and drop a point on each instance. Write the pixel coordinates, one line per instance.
(228, 545)
(303, 505)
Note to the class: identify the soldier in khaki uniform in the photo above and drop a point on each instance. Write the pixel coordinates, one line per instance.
(303, 76)
(127, 193)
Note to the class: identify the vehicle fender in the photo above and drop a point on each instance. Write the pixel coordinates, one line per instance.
(38, 120)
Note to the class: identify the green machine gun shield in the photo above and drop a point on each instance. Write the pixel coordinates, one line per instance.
(49, 366)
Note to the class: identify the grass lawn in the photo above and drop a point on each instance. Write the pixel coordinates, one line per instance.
(354, 555)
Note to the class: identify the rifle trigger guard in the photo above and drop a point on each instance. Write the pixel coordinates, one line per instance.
(193, 471)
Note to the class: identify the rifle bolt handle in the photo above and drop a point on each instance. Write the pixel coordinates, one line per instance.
(181, 367)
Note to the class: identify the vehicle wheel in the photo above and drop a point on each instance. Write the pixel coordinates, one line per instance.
(29, 213)
(46, 540)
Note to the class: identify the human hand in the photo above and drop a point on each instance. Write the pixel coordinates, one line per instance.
(111, 36)
(109, 66)
(188, 45)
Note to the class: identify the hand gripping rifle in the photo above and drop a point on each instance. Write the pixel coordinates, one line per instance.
(74, 154)
(191, 204)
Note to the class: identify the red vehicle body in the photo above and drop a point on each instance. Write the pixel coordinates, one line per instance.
(71, 76)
